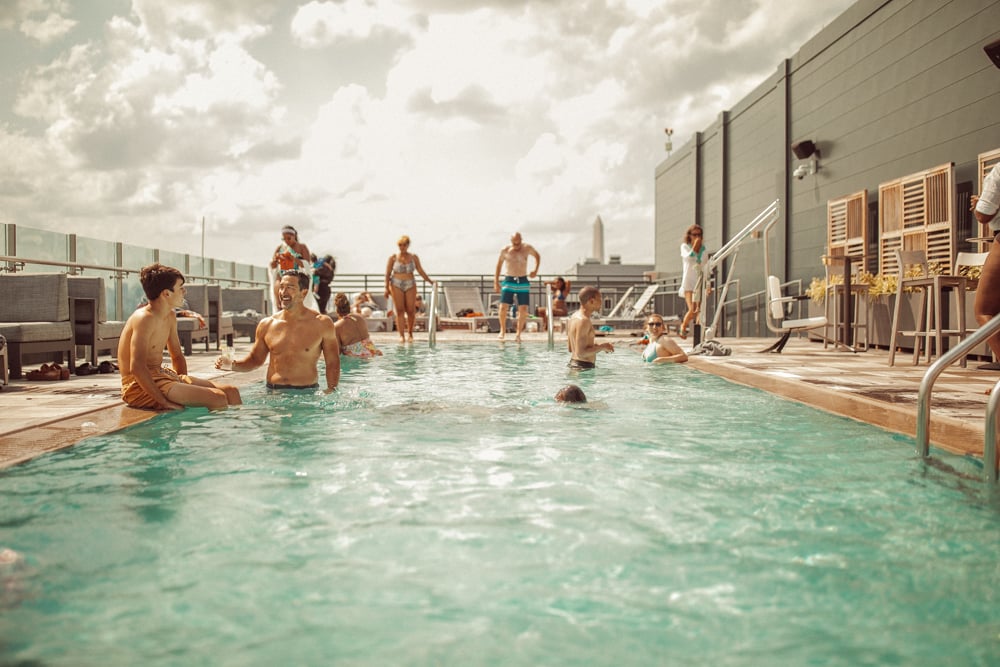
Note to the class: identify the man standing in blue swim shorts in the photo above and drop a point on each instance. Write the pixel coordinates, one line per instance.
(515, 283)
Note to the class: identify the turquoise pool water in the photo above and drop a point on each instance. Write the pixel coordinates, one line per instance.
(443, 510)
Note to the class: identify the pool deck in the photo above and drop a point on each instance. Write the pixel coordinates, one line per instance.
(40, 417)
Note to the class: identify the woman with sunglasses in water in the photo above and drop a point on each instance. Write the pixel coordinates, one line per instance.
(661, 348)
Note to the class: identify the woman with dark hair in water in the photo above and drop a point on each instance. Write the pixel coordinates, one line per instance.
(352, 331)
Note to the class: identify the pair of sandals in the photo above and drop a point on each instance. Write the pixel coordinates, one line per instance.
(104, 367)
(48, 373)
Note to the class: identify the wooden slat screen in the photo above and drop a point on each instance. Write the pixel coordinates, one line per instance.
(917, 212)
(847, 226)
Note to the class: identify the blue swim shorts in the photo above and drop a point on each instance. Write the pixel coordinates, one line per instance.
(512, 286)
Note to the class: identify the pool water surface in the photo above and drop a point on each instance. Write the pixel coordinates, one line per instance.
(441, 508)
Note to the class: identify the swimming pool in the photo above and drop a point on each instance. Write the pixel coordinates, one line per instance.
(441, 509)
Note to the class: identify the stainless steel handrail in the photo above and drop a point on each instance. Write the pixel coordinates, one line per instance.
(977, 337)
(432, 316)
(551, 318)
(990, 436)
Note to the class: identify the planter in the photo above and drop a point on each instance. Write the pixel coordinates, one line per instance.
(983, 350)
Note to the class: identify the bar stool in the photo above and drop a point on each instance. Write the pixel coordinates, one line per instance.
(929, 322)
(834, 293)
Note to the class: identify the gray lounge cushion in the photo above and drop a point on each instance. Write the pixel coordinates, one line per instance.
(33, 332)
(40, 297)
(238, 299)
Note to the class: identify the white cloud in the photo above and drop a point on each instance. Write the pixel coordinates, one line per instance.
(49, 29)
(481, 121)
(318, 24)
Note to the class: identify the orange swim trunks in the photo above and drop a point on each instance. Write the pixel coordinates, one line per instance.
(136, 396)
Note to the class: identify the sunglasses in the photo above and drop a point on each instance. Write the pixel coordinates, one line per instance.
(654, 324)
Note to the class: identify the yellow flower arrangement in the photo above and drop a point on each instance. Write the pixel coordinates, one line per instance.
(881, 285)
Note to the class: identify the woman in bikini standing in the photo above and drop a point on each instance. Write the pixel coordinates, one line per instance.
(401, 286)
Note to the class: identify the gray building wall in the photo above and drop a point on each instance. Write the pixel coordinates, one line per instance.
(889, 88)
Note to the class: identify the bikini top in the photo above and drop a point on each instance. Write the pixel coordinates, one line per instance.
(404, 268)
(651, 351)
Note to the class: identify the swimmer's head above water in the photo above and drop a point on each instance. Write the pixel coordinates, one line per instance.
(571, 394)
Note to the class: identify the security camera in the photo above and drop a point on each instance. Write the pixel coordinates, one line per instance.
(800, 172)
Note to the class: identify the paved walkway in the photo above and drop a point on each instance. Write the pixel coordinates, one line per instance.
(38, 417)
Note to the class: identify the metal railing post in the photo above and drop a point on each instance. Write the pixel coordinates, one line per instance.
(432, 317)
(551, 328)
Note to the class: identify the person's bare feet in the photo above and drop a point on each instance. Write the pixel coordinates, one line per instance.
(410, 338)
(503, 334)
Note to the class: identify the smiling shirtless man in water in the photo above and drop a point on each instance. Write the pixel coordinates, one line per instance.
(293, 339)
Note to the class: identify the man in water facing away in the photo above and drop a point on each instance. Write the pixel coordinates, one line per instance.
(293, 339)
(580, 331)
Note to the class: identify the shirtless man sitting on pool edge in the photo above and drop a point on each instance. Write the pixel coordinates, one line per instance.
(146, 383)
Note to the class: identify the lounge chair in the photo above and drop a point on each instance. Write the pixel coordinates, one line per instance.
(189, 329)
(246, 307)
(220, 325)
(466, 299)
(633, 316)
(776, 315)
(380, 322)
(35, 318)
(90, 317)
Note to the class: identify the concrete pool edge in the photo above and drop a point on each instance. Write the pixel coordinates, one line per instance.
(946, 433)
(24, 444)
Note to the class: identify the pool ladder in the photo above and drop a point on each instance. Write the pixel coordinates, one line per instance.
(978, 337)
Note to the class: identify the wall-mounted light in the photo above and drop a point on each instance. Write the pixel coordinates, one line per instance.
(806, 150)
(993, 51)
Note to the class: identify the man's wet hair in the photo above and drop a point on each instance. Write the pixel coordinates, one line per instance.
(156, 277)
(571, 394)
(587, 293)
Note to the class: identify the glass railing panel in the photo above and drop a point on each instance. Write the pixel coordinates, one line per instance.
(132, 295)
(223, 269)
(42, 244)
(175, 259)
(198, 267)
(95, 252)
(136, 257)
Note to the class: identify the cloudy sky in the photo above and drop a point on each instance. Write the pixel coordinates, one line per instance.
(457, 122)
